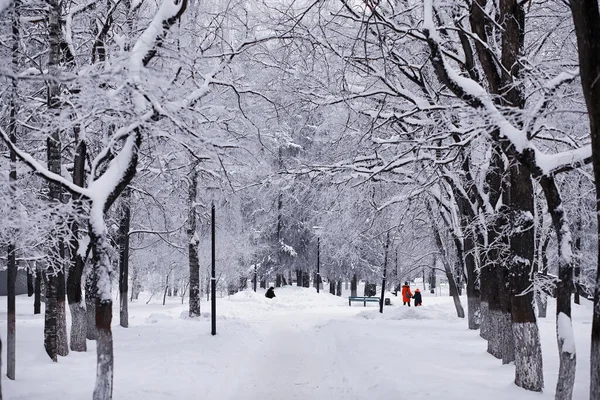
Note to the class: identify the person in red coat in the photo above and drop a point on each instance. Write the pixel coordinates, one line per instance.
(406, 294)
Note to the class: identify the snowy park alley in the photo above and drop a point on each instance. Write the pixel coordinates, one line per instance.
(300, 345)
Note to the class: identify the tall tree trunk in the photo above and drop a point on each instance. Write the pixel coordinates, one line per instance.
(51, 313)
(61, 294)
(564, 329)
(577, 260)
(194, 263)
(332, 287)
(11, 278)
(91, 289)
(460, 312)
(124, 258)
(79, 324)
(473, 292)
(57, 324)
(104, 341)
(529, 372)
(586, 18)
(354, 286)
(541, 295)
(37, 293)
(339, 288)
(30, 283)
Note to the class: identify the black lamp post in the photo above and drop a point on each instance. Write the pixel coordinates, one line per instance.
(317, 230)
(318, 264)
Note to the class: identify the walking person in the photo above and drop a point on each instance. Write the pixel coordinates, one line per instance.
(417, 297)
(406, 294)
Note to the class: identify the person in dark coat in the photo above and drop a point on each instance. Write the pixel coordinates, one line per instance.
(417, 297)
(270, 292)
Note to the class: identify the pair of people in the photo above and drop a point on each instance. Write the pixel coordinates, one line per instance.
(407, 295)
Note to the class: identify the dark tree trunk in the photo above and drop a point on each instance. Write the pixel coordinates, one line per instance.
(263, 284)
(541, 295)
(339, 288)
(51, 313)
(299, 278)
(37, 295)
(528, 352)
(473, 293)
(61, 294)
(91, 289)
(124, 258)
(305, 279)
(11, 278)
(577, 261)
(11, 349)
(278, 280)
(354, 286)
(166, 290)
(194, 263)
(74, 293)
(30, 283)
(332, 287)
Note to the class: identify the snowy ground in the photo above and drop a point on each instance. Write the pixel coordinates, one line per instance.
(300, 345)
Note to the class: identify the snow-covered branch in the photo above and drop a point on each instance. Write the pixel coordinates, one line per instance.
(512, 138)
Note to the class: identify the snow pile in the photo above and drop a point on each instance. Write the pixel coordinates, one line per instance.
(397, 313)
(288, 298)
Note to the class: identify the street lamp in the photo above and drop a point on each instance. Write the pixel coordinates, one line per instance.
(317, 230)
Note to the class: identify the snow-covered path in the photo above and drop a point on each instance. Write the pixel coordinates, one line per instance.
(299, 346)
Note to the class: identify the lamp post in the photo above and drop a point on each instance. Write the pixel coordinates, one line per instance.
(317, 230)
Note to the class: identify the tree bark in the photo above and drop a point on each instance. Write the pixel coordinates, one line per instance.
(332, 287)
(11, 278)
(37, 295)
(529, 372)
(194, 263)
(564, 286)
(91, 289)
(339, 288)
(74, 294)
(124, 258)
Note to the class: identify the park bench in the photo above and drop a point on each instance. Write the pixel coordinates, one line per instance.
(364, 299)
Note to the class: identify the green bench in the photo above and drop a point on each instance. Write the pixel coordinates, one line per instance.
(364, 299)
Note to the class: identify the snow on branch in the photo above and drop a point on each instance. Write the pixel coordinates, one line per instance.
(145, 47)
(476, 96)
(43, 171)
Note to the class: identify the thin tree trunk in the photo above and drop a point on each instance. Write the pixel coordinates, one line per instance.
(30, 283)
(473, 292)
(194, 263)
(541, 295)
(460, 312)
(332, 287)
(37, 295)
(124, 258)
(339, 288)
(354, 286)
(11, 278)
(166, 289)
